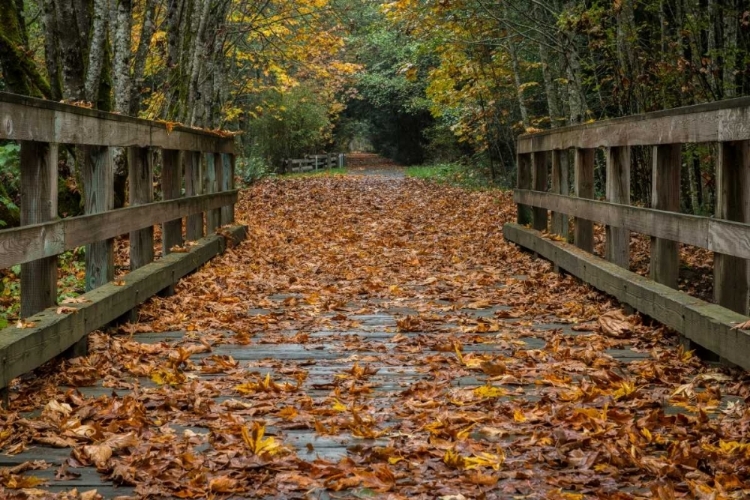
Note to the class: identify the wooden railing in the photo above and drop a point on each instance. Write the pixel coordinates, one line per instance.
(197, 162)
(314, 162)
(727, 124)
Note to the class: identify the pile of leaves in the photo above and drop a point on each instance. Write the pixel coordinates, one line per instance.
(442, 360)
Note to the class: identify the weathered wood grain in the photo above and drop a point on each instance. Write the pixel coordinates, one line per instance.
(27, 119)
(539, 182)
(29, 243)
(171, 185)
(218, 183)
(584, 188)
(194, 173)
(665, 195)
(560, 185)
(718, 121)
(38, 204)
(732, 203)
(209, 186)
(708, 325)
(618, 191)
(227, 184)
(141, 179)
(99, 197)
(22, 350)
(524, 182)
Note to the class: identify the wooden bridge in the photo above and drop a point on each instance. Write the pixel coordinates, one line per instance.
(395, 344)
(727, 233)
(199, 163)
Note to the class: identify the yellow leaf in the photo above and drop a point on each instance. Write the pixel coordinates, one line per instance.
(487, 391)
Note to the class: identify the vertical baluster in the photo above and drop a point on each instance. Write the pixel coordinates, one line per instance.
(171, 185)
(560, 162)
(584, 188)
(618, 191)
(227, 184)
(732, 203)
(193, 187)
(219, 168)
(665, 195)
(209, 185)
(38, 204)
(141, 177)
(524, 182)
(539, 183)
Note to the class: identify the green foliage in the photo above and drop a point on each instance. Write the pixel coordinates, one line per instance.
(9, 183)
(451, 173)
(319, 173)
(293, 125)
(252, 168)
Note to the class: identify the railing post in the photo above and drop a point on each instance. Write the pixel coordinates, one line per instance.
(539, 182)
(99, 196)
(220, 185)
(584, 188)
(171, 186)
(732, 203)
(618, 191)
(227, 184)
(193, 187)
(38, 204)
(560, 185)
(141, 177)
(524, 182)
(210, 187)
(665, 195)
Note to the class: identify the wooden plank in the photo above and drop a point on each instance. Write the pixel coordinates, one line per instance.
(141, 178)
(584, 188)
(27, 119)
(210, 186)
(618, 191)
(665, 195)
(171, 186)
(23, 350)
(524, 182)
(193, 187)
(29, 243)
(732, 203)
(713, 122)
(219, 166)
(708, 325)
(99, 197)
(38, 204)
(560, 185)
(227, 184)
(539, 183)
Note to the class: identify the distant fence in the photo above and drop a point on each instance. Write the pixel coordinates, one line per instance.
(198, 163)
(314, 162)
(726, 124)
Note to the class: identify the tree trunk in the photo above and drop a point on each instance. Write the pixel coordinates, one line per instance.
(512, 50)
(731, 29)
(97, 52)
(550, 88)
(196, 64)
(71, 55)
(139, 66)
(19, 71)
(121, 64)
(51, 53)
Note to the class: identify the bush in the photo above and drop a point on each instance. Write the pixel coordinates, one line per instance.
(252, 169)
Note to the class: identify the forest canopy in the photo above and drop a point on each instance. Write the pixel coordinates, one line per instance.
(416, 80)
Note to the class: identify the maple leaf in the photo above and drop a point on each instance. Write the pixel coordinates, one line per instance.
(260, 445)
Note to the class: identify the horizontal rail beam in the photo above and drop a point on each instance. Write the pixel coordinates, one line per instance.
(708, 325)
(28, 119)
(714, 122)
(29, 243)
(721, 236)
(50, 333)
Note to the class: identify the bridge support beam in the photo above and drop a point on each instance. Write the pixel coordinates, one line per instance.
(665, 195)
(539, 182)
(524, 182)
(584, 188)
(560, 185)
(618, 191)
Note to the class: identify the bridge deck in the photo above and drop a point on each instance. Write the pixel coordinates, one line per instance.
(390, 341)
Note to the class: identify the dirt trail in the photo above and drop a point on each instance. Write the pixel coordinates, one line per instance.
(372, 164)
(374, 338)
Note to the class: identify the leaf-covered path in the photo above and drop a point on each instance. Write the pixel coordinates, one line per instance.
(376, 336)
